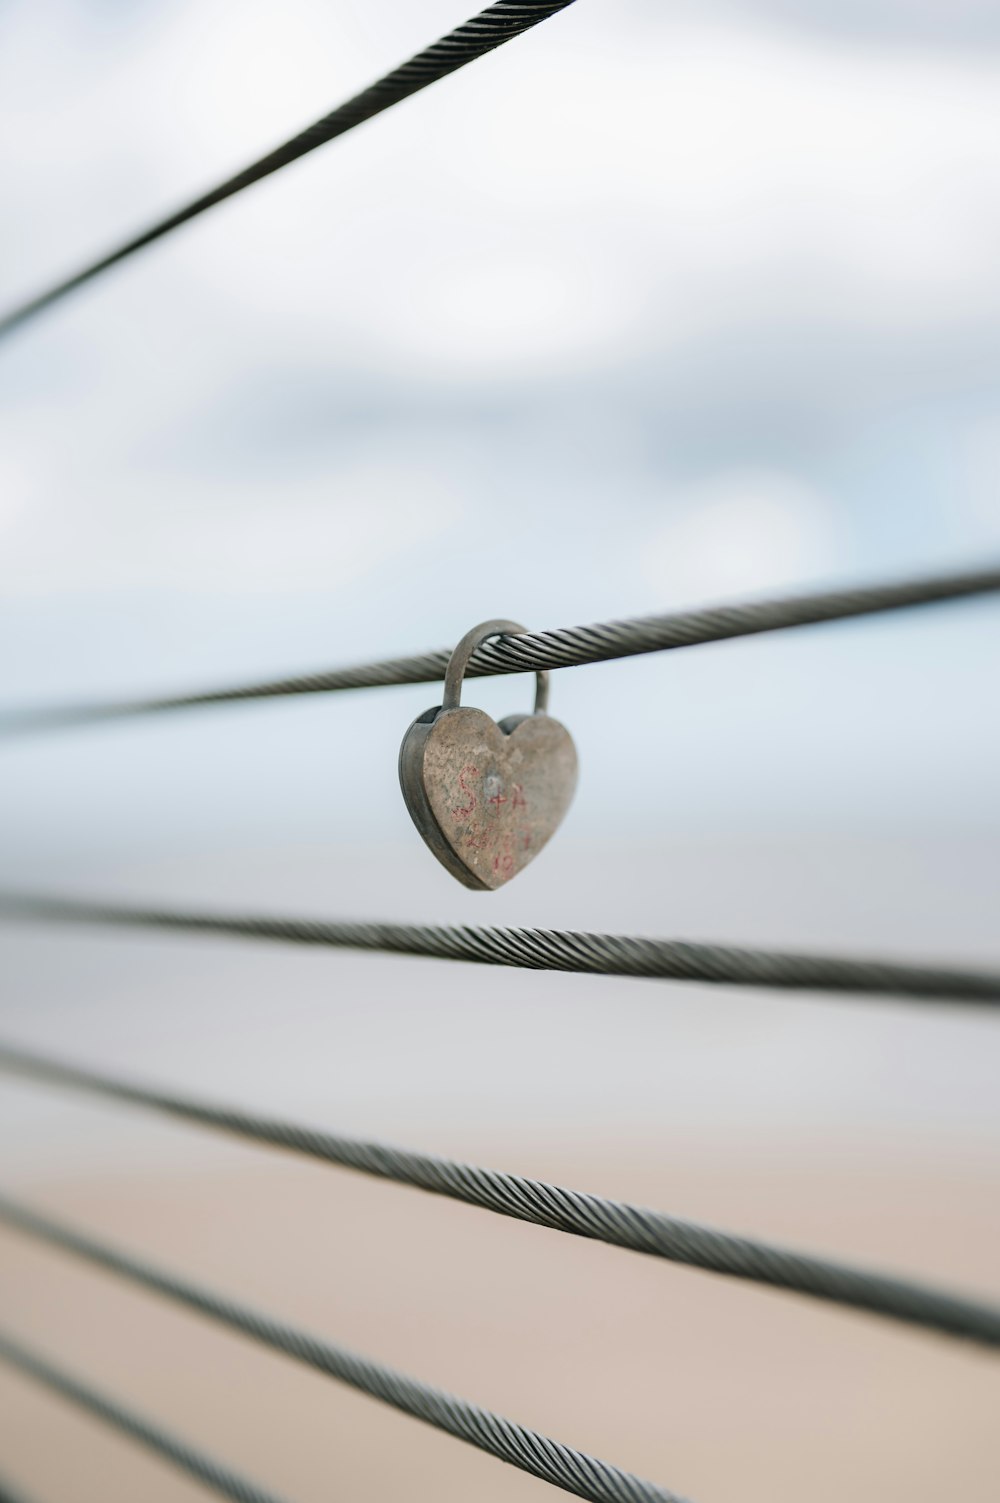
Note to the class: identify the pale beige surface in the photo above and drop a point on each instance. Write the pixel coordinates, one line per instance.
(727, 1393)
(866, 1129)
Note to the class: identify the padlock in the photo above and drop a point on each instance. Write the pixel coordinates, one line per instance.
(486, 796)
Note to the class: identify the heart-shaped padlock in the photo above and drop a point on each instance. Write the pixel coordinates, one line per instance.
(486, 797)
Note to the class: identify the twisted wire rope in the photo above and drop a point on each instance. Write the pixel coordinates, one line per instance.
(221, 1479)
(561, 1465)
(615, 1223)
(548, 950)
(563, 647)
(483, 33)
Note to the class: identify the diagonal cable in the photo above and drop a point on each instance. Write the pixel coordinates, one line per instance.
(483, 33)
(220, 1479)
(560, 1465)
(563, 647)
(616, 1223)
(11, 1494)
(547, 950)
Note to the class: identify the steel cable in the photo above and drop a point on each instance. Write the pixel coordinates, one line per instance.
(80, 1392)
(563, 647)
(548, 950)
(497, 24)
(561, 1465)
(616, 1223)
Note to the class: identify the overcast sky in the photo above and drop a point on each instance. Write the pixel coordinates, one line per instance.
(663, 304)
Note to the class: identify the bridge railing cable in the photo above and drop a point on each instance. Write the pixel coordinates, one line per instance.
(561, 1465)
(486, 31)
(581, 953)
(535, 1202)
(563, 647)
(79, 1391)
(616, 1223)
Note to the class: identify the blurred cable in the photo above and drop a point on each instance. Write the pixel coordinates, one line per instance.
(613, 1222)
(547, 950)
(484, 32)
(563, 647)
(212, 1473)
(11, 1494)
(564, 1467)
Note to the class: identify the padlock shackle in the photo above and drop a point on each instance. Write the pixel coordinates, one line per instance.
(459, 662)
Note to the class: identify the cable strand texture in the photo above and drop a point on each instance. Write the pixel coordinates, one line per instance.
(564, 647)
(550, 1460)
(497, 24)
(616, 1223)
(204, 1468)
(549, 950)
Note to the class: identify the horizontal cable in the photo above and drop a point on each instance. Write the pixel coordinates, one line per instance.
(80, 1392)
(564, 647)
(610, 1221)
(497, 24)
(553, 1462)
(548, 950)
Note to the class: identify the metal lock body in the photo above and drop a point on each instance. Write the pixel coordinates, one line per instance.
(486, 796)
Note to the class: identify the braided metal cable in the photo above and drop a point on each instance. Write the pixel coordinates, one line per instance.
(616, 1223)
(553, 1462)
(497, 24)
(564, 647)
(550, 950)
(204, 1468)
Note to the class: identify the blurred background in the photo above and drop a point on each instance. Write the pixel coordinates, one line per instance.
(662, 305)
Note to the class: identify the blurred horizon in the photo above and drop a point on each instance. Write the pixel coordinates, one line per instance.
(661, 305)
(500, 352)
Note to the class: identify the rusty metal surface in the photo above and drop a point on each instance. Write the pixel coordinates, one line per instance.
(486, 797)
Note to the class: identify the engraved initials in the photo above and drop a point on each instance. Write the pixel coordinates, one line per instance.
(462, 811)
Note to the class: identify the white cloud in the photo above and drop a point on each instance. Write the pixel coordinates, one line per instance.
(683, 175)
(739, 533)
(332, 531)
(454, 363)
